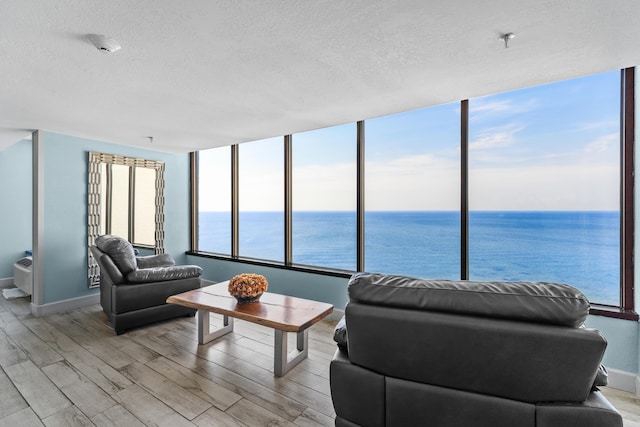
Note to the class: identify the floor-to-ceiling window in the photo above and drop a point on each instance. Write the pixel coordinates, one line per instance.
(214, 200)
(412, 193)
(261, 199)
(544, 179)
(324, 197)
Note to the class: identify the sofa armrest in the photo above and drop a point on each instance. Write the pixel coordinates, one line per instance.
(358, 394)
(107, 267)
(151, 261)
(595, 411)
(162, 274)
(340, 335)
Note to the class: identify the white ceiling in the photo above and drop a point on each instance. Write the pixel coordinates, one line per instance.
(202, 73)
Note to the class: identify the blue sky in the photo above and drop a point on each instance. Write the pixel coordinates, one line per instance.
(551, 147)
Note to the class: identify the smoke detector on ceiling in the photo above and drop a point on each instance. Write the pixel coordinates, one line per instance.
(103, 43)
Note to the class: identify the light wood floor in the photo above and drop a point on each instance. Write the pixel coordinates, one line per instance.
(70, 369)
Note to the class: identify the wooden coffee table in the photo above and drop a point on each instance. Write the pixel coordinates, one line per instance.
(280, 312)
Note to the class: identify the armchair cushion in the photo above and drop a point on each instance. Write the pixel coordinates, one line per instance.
(161, 274)
(120, 251)
(161, 260)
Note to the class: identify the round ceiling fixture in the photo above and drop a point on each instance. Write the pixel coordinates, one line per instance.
(103, 43)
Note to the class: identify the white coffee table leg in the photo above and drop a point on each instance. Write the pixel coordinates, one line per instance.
(281, 362)
(204, 334)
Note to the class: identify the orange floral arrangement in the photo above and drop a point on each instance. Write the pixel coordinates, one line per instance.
(247, 285)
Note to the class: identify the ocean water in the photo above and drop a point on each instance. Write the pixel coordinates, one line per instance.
(577, 248)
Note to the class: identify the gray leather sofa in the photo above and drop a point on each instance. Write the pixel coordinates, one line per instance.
(134, 290)
(451, 353)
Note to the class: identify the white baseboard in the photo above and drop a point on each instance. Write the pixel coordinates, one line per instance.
(625, 381)
(6, 282)
(65, 305)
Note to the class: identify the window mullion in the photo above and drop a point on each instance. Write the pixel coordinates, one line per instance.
(235, 201)
(288, 201)
(194, 161)
(627, 129)
(360, 183)
(464, 189)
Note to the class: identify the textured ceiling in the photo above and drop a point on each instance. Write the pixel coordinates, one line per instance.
(201, 73)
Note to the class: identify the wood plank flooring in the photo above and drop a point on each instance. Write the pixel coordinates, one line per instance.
(70, 369)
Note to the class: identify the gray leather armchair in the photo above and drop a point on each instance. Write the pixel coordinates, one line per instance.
(134, 290)
(451, 353)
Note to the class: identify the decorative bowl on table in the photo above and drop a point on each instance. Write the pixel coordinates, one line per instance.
(247, 288)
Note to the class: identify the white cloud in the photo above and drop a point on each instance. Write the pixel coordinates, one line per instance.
(598, 125)
(603, 144)
(430, 182)
(325, 187)
(421, 182)
(495, 137)
(427, 182)
(483, 106)
(557, 187)
(261, 190)
(482, 109)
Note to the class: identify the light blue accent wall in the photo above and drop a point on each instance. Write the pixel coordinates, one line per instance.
(332, 290)
(622, 342)
(15, 205)
(65, 209)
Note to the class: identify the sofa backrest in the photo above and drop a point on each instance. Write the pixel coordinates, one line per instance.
(542, 302)
(474, 341)
(510, 359)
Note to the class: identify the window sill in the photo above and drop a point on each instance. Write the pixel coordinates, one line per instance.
(614, 312)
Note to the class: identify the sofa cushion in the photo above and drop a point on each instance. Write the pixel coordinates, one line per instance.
(541, 302)
(162, 274)
(120, 251)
